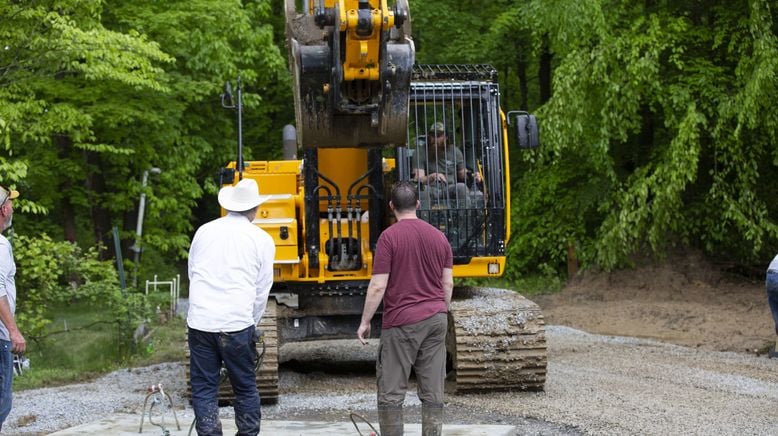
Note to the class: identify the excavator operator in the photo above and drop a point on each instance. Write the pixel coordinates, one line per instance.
(441, 166)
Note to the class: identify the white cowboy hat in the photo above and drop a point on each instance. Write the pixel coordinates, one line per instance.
(241, 197)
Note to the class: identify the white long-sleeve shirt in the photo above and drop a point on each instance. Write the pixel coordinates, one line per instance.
(230, 274)
(7, 280)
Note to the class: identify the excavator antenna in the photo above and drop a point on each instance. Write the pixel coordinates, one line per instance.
(228, 103)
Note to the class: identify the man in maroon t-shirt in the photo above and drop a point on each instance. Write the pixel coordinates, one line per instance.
(412, 274)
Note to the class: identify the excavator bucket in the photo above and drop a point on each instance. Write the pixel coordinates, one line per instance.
(351, 70)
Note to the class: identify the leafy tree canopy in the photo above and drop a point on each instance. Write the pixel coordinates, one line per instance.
(656, 117)
(659, 129)
(94, 93)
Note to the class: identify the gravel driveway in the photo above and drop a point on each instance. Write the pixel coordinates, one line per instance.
(596, 384)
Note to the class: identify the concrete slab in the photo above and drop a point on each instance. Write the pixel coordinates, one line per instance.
(126, 425)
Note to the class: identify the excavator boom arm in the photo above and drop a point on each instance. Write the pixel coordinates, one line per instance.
(351, 61)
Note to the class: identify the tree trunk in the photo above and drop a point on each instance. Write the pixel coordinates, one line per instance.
(646, 135)
(544, 72)
(572, 260)
(66, 185)
(521, 72)
(101, 223)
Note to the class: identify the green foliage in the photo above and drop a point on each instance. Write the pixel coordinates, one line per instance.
(188, 135)
(660, 129)
(52, 273)
(657, 120)
(53, 51)
(92, 94)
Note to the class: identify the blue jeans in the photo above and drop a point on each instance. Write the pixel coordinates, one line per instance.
(6, 379)
(237, 350)
(771, 283)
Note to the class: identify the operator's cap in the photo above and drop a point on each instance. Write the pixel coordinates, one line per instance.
(437, 129)
(6, 194)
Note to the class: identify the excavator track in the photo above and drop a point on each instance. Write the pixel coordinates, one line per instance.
(496, 342)
(267, 376)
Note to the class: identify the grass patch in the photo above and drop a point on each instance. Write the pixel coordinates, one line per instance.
(81, 344)
(527, 286)
(167, 343)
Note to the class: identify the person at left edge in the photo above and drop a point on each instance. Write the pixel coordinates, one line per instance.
(230, 276)
(11, 339)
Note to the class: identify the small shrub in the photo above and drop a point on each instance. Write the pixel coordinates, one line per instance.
(51, 273)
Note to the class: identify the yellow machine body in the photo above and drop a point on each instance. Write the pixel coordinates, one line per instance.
(367, 116)
(283, 217)
(362, 49)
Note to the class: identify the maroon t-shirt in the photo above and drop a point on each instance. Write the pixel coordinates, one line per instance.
(414, 254)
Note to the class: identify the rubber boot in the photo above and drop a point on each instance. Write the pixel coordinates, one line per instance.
(773, 354)
(431, 419)
(390, 419)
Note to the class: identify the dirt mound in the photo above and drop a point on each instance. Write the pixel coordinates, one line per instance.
(684, 300)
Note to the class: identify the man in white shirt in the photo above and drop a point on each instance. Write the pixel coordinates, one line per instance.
(11, 339)
(230, 276)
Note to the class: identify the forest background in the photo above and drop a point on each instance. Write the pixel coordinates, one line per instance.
(657, 126)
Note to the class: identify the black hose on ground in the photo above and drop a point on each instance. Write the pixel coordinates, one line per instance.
(353, 414)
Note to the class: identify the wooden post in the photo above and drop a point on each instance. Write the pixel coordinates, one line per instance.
(572, 260)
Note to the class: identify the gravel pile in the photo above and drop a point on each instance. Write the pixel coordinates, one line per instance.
(595, 385)
(616, 385)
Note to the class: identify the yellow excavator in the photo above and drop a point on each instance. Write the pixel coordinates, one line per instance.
(364, 111)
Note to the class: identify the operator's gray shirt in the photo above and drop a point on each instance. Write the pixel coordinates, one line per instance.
(774, 264)
(7, 281)
(448, 161)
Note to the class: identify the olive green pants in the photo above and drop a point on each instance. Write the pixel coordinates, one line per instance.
(421, 347)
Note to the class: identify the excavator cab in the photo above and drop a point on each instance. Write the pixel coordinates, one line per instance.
(454, 127)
